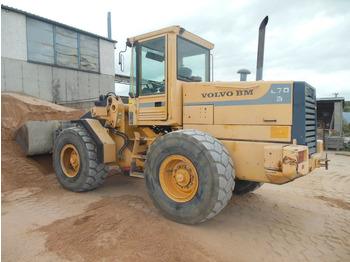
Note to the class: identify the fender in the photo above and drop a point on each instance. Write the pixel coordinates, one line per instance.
(106, 147)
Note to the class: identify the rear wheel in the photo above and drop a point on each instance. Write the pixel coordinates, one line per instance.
(189, 176)
(75, 161)
(243, 186)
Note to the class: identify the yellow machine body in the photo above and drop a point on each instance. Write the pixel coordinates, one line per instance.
(196, 142)
(253, 120)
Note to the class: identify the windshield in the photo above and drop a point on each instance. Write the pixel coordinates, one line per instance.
(192, 61)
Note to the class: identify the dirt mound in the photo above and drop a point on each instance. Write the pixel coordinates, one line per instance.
(17, 170)
(111, 230)
(17, 109)
(307, 220)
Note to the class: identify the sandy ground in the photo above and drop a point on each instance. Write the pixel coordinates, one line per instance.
(305, 220)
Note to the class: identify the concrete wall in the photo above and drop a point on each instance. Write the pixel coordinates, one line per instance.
(338, 116)
(107, 65)
(13, 35)
(51, 83)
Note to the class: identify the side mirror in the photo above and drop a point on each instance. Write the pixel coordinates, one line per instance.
(121, 59)
(121, 62)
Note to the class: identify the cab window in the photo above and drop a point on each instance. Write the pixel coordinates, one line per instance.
(192, 61)
(152, 67)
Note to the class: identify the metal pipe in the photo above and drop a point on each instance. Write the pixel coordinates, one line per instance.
(261, 46)
(109, 25)
(243, 73)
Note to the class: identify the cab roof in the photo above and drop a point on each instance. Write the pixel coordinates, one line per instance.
(173, 30)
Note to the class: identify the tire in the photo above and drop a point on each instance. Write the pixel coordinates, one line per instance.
(75, 161)
(243, 187)
(189, 176)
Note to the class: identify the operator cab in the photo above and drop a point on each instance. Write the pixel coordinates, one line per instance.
(161, 62)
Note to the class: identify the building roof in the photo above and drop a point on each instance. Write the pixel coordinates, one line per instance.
(55, 23)
(330, 99)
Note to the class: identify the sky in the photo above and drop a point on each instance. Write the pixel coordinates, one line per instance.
(306, 40)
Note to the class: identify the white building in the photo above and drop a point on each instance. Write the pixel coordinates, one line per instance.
(53, 61)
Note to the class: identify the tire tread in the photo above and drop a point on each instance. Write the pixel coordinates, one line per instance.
(222, 163)
(97, 172)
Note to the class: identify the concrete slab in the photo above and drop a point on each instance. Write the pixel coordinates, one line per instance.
(72, 85)
(104, 83)
(94, 86)
(59, 84)
(13, 75)
(45, 82)
(3, 82)
(30, 79)
(106, 57)
(13, 35)
(83, 80)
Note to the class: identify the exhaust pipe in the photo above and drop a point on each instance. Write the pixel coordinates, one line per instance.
(261, 46)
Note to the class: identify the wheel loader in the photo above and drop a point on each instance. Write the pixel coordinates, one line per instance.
(195, 142)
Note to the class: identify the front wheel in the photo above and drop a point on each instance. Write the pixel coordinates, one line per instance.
(189, 176)
(75, 161)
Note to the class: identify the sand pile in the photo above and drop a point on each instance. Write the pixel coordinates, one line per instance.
(306, 220)
(115, 231)
(111, 228)
(16, 169)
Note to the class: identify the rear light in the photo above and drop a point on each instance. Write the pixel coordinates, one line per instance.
(301, 156)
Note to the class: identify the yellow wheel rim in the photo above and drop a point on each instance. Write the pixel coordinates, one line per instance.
(70, 161)
(178, 178)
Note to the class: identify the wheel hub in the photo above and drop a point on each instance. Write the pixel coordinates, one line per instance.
(183, 176)
(74, 160)
(178, 178)
(70, 162)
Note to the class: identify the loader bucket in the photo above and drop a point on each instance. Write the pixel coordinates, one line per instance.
(37, 137)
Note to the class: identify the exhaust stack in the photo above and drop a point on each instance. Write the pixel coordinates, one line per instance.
(261, 46)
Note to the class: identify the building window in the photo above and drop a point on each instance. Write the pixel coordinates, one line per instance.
(40, 41)
(67, 48)
(89, 53)
(51, 44)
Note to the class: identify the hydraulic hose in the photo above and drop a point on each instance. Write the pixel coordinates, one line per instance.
(126, 142)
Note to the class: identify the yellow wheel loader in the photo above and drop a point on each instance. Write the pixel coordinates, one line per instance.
(194, 141)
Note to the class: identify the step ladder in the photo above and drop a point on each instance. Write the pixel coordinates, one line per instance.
(139, 152)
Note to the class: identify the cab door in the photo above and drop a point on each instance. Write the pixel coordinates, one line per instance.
(151, 91)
